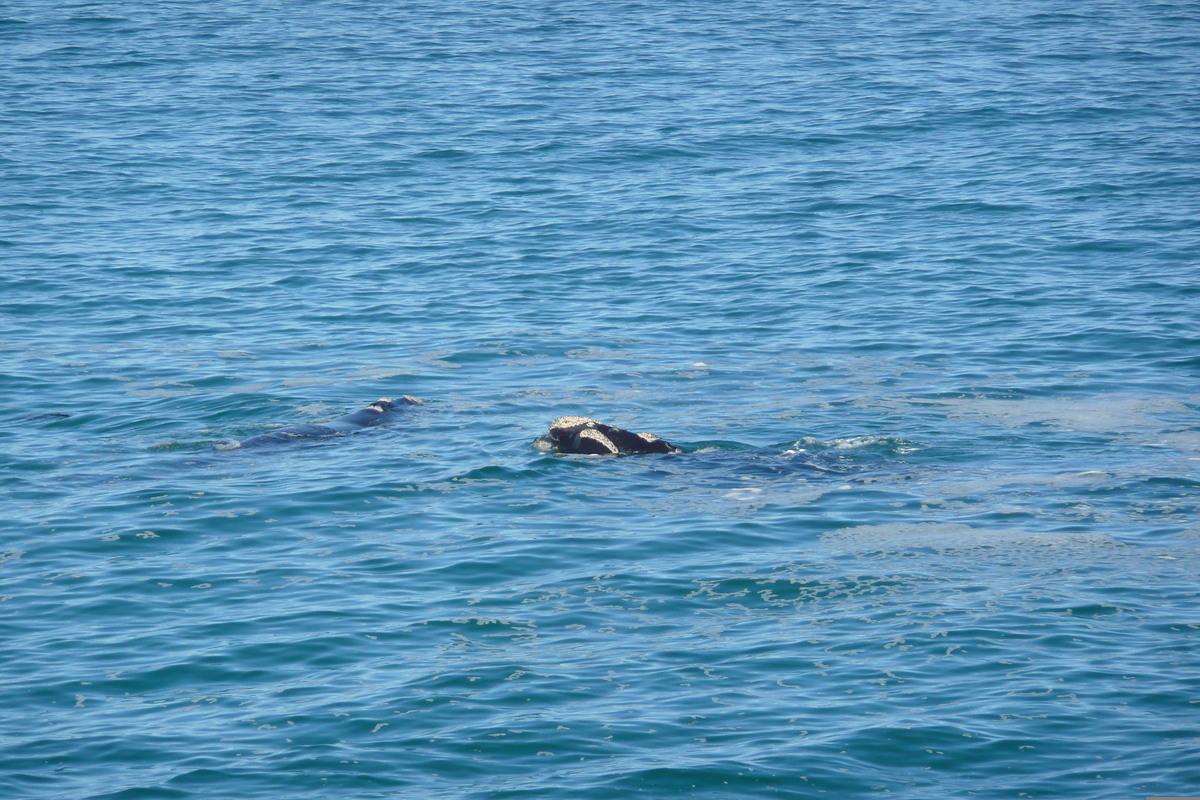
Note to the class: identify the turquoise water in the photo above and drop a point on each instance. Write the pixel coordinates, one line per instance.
(914, 285)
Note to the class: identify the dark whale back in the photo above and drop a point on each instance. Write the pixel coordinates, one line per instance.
(363, 418)
(587, 436)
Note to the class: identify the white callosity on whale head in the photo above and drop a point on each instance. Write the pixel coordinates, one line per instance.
(570, 423)
(599, 438)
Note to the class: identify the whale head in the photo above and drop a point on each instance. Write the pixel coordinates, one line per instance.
(586, 436)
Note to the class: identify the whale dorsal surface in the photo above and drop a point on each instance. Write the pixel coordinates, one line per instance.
(363, 418)
(590, 437)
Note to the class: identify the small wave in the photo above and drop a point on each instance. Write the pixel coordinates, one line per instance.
(716, 446)
(954, 537)
(808, 444)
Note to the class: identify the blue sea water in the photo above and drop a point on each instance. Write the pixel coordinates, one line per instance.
(915, 285)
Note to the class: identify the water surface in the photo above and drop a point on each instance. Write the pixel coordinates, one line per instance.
(914, 286)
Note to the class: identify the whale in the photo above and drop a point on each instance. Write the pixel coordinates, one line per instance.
(586, 436)
(367, 417)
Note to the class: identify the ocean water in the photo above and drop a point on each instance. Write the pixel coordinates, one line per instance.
(916, 286)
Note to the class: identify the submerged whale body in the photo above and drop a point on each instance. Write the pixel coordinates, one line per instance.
(589, 437)
(363, 418)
